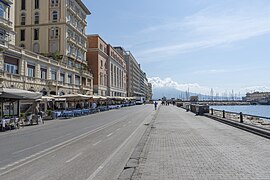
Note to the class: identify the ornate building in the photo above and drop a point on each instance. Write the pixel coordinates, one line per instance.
(45, 27)
(55, 29)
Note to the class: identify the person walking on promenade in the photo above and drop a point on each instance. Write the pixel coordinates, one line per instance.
(155, 104)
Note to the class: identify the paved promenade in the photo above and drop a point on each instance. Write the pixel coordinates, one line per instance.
(184, 146)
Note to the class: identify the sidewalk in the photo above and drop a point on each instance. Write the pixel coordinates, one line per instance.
(184, 146)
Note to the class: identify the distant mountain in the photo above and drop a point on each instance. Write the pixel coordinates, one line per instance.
(169, 93)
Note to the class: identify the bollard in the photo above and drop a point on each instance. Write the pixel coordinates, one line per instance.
(212, 111)
(223, 114)
(241, 117)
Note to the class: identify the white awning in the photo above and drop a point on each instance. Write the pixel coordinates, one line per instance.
(18, 94)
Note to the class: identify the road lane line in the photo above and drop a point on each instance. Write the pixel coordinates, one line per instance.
(97, 143)
(93, 175)
(17, 152)
(56, 147)
(118, 129)
(109, 134)
(73, 158)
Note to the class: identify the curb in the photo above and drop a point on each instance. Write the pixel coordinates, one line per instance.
(133, 161)
(246, 127)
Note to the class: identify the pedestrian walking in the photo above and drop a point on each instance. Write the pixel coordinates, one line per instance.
(155, 104)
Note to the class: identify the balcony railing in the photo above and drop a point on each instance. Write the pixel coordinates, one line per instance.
(6, 22)
(6, 76)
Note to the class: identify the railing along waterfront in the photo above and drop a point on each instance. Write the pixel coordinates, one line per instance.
(259, 121)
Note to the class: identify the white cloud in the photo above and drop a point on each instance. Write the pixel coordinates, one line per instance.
(211, 27)
(255, 89)
(157, 82)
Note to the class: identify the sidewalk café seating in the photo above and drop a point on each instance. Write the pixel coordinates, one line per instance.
(85, 111)
(9, 123)
(56, 114)
(93, 110)
(103, 108)
(114, 106)
(67, 113)
(77, 112)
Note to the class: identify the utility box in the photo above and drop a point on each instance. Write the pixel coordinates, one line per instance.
(199, 109)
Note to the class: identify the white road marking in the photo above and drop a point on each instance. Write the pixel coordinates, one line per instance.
(118, 129)
(17, 152)
(114, 153)
(73, 158)
(52, 149)
(97, 143)
(109, 134)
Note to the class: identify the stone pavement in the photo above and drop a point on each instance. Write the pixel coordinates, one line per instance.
(184, 146)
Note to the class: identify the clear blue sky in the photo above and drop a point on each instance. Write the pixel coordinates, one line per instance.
(200, 44)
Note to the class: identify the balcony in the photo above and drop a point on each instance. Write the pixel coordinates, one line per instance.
(5, 23)
(72, 11)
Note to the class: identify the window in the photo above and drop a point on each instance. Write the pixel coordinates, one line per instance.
(37, 18)
(36, 48)
(101, 47)
(53, 74)
(36, 34)
(23, 18)
(22, 35)
(11, 68)
(101, 79)
(101, 64)
(77, 80)
(2, 11)
(54, 33)
(62, 77)
(22, 4)
(43, 73)
(31, 70)
(70, 64)
(54, 16)
(69, 79)
(36, 4)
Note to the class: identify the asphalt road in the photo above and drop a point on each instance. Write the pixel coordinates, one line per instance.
(89, 147)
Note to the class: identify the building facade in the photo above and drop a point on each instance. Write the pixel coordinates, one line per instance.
(258, 97)
(117, 73)
(97, 58)
(7, 33)
(55, 29)
(108, 67)
(137, 82)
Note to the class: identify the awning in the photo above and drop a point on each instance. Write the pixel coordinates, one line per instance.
(73, 97)
(18, 94)
(99, 97)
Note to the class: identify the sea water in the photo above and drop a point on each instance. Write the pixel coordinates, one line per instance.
(256, 110)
